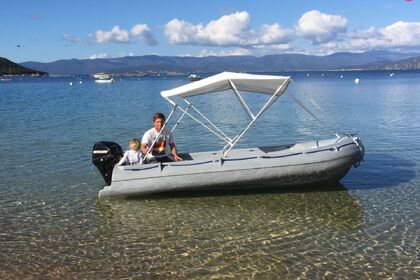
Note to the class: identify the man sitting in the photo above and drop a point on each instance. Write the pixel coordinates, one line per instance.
(160, 138)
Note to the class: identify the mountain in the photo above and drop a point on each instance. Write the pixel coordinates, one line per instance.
(8, 67)
(268, 63)
(405, 64)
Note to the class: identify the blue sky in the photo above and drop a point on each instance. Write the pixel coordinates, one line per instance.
(48, 30)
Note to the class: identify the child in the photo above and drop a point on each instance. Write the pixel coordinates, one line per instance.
(133, 155)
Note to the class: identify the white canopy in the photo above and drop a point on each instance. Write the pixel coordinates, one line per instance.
(223, 81)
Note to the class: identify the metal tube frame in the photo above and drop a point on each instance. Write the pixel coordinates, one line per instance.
(242, 101)
(231, 142)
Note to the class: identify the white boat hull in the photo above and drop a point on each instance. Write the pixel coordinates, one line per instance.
(300, 164)
(108, 81)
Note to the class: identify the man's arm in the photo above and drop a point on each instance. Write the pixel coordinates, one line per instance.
(174, 152)
(144, 148)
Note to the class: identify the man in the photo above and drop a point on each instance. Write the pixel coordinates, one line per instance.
(165, 138)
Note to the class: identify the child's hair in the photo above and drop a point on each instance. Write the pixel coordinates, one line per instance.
(134, 144)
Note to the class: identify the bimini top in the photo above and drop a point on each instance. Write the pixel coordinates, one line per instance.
(227, 80)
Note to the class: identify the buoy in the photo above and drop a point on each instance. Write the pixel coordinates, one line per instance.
(307, 75)
(71, 83)
(80, 82)
(357, 81)
(341, 76)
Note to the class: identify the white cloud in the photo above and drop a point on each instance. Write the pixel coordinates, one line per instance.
(71, 38)
(269, 49)
(397, 35)
(142, 32)
(116, 35)
(99, 55)
(402, 33)
(119, 35)
(123, 54)
(274, 34)
(319, 27)
(237, 51)
(229, 30)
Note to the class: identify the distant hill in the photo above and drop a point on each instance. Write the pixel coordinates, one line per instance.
(269, 63)
(405, 64)
(8, 67)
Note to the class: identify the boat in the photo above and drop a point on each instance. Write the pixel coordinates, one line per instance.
(5, 79)
(194, 77)
(306, 163)
(102, 78)
(105, 81)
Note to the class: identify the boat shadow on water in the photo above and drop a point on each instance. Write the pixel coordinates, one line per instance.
(326, 207)
(245, 190)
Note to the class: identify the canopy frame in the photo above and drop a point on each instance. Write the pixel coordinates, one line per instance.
(209, 125)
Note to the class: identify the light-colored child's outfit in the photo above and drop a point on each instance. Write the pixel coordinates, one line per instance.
(131, 157)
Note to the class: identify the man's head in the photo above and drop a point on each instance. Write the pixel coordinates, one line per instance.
(158, 121)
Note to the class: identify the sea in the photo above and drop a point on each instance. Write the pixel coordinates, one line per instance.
(53, 226)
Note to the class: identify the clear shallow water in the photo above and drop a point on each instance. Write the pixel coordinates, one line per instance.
(52, 225)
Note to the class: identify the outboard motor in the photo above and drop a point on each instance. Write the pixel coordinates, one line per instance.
(105, 155)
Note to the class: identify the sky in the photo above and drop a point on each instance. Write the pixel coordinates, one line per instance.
(50, 30)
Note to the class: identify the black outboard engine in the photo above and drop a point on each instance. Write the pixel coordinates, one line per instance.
(105, 155)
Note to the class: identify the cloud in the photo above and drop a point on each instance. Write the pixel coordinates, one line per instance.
(274, 34)
(237, 51)
(229, 30)
(71, 38)
(397, 35)
(402, 33)
(142, 32)
(99, 55)
(123, 54)
(266, 49)
(122, 36)
(320, 28)
(116, 35)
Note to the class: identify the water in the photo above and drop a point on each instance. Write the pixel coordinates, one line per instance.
(52, 225)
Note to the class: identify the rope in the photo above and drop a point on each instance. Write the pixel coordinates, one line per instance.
(302, 92)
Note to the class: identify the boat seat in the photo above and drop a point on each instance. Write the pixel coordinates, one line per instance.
(185, 156)
(274, 148)
(305, 146)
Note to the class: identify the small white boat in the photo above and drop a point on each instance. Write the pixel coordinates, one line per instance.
(5, 79)
(194, 77)
(101, 76)
(105, 81)
(304, 163)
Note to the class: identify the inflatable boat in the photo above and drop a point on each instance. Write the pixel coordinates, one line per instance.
(305, 163)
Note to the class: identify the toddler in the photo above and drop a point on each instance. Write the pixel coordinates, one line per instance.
(133, 155)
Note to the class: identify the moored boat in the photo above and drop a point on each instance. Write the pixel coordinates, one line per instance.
(194, 77)
(102, 78)
(104, 81)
